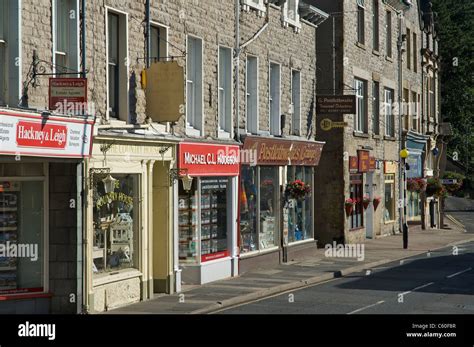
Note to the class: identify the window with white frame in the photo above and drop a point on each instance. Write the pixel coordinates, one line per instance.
(389, 116)
(258, 5)
(10, 52)
(194, 82)
(296, 102)
(117, 61)
(275, 99)
(225, 89)
(360, 124)
(361, 21)
(291, 13)
(66, 35)
(158, 46)
(252, 94)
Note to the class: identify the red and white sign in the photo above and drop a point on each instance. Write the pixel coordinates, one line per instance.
(203, 159)
(31, 134)
(214, 256)
(67, 93)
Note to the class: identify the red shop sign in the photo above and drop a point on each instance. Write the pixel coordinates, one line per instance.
(66, 93)
(372, 164)
(204, 159)
(353, 165)
(34, 134)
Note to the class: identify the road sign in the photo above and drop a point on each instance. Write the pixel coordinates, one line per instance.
(448, 182)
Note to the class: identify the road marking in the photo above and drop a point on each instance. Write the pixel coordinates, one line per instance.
(366, 307)
(418, 288)
(459, 273)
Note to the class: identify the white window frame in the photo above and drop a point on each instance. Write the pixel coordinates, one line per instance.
(191, 129)
(360, 86)
(389, 106)
(274, 124)
(163, 43)
(12, 43)
(124, 114)
(252, 121)
(226, 131)
(296, 103)
(74, 30)
(259, 6)
(287, 20)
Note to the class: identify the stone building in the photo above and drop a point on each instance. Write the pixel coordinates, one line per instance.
(361, 161)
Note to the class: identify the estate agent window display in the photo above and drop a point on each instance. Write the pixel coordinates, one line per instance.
(357, 195)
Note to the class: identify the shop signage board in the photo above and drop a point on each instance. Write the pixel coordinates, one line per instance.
(29, 134)
(336, 104)
(372, 164)
(67, 93)
(278, 152)
(390, 167)
(203, 159)
(364, 161)
(353, 165)
(414, 161)
(449, 181)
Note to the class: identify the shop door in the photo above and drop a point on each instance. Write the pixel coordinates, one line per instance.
(369, 229)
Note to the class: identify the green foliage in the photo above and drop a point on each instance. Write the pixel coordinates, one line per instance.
(454, 176)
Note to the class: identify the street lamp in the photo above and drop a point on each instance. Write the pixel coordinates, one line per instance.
(109, 184)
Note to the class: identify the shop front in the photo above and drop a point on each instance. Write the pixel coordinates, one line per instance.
(129, 253)
(276, 204)
(41, 169)
(207, 211)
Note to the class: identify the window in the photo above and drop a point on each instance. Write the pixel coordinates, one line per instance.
(388, 48)
(117, 52)
(414, 206)
(248, 210)
(357, 193)
(225, 90)
(389, 212)
(408, 58)
(376, 108)
(116, 223)
(361, 106)
(258, 5)
(406, 109)
(10, 53)
(66, 35)
(269, 206)
(389, 116)
(375, 24)
(275, 97)
(251, 87)
(158, 47)
(291, 13)
(360, 22)
(414, 111)
(432, 97)
(296, 102)
(415, 53)
(300, 214)
(194, 94)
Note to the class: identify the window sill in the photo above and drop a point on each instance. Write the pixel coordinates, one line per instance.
(106, 278)
(375, 52)
(223, 135)
(387, 58)
(390, 138)
(357, 229)
(389, 222)
(360, 45)
(359, 134)
(192, 132)
(377, 137)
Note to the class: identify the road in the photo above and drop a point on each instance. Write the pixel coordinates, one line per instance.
(437, 283)
(462, 210)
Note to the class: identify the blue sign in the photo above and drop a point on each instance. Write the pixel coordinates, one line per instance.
(416, 167)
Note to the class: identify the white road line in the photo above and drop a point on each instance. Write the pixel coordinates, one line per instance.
(459, 273)
(418, 288)
(366, 307)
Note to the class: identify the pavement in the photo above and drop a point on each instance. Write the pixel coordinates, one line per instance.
(461, 210)
(299, 273)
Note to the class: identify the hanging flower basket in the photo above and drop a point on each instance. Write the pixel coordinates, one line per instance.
(416, 185)
(366, 202)
(376, 203)
(434, 187)
(297, 190)
(349, 206)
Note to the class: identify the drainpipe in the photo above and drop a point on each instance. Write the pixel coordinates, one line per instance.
(83, 43)
(79, 249)
(237, 69)
(147, 34)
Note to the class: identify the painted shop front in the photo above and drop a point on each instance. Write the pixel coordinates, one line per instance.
(276, 214)
(129, 220)
(206, 208)
(41, 170)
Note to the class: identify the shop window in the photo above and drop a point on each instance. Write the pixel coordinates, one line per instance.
(389, 211)
(389, 115)
(275, 99)
(22, 230)
(414, 206)
(225, 90)
(10, 66)
(269, 207)
(360, 22)
(116, 223)
(375, 25)
(300, 216)
(159, 45)
(357, 193)
(252, 94)
(194, 102)
(214, 216)
(248, 209)
(376, 108)
(66, 35)
(117, 60)
(188, 221)
(296, 102)
(361, 106)
(388, 48)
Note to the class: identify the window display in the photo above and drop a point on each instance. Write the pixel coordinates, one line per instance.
(414, 206)
(389, 212)
(115, 223)
(357, 194)
(188, 224)
(21, 236)
(269, 187)
(248, 210)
